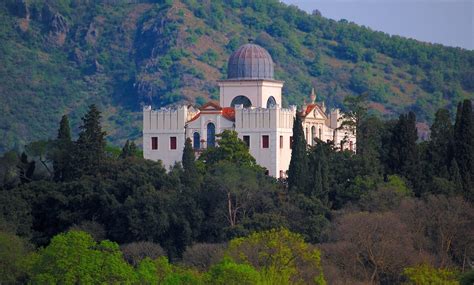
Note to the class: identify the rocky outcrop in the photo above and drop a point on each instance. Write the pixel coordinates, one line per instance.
(92, 34)
(58, 29)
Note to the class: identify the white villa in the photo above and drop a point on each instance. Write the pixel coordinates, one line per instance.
(250, 104)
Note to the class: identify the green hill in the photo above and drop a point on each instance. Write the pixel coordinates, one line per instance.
(60, 56)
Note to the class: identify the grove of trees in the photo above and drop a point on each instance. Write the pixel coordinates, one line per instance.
(400, 210)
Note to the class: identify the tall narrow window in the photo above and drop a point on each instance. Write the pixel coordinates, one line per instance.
(154, 143)
(196, 140)
(291, 142)
(246, 140)
(342, 145)
(211, 135)
(172, 142)
(351, 146)
(313, 134)
(265, 141)
(281, 141)
(320, 134)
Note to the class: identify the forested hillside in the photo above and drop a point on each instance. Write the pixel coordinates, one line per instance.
(60, 56)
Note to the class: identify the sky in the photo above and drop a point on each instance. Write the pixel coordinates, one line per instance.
(448, 22)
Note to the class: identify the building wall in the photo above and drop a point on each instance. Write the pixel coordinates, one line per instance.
(164, 124)
(274, 122)
(258, 91)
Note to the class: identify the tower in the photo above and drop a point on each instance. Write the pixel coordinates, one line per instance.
(250, 80)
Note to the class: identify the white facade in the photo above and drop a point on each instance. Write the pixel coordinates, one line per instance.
(268, 131)
(250, 104)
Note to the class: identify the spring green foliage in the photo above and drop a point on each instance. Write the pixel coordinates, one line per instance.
(280, 255)
(425, 274)
(74, 257)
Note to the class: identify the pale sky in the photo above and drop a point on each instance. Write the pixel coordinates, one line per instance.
(448, 22)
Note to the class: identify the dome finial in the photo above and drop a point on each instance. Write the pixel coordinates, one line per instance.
(250, 40)
(312, 96)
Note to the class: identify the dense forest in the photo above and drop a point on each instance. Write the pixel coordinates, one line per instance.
(400, 210)
(61, 56)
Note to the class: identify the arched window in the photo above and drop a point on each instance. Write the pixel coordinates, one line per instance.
(211, 135)
(196, 140)
(313, 134)
(271, 102)
(241, 100)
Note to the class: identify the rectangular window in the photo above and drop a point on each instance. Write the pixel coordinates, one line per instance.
(265, 141)
(281, 141)
(172, 142)
(154, 143)
(247, 141)
(291, 142)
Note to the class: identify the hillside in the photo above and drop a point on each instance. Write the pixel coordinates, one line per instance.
(60, 56)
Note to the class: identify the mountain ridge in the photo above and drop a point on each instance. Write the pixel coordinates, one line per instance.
(60, 56)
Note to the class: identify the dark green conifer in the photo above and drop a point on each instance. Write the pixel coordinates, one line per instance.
(190, 176)
(89, 154)
(464, 146)
(298, 169)
(403, 151)
(440, 147)
(61, 156)
(128, 150)
(319, 172)
(456, 178)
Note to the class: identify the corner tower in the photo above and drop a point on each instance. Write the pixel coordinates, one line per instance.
(250, 80)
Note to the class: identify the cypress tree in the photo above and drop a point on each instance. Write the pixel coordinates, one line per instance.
(456, 178)
(62, 157)
(403, 154)
(190, 176)
(89, 154)
(319, 170)
(464, 146)
(128, 150)
(440, 147)
(298, 169)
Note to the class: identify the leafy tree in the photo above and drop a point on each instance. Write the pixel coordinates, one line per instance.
(13, 252)
(228, 272)
(89, 149)
(74, 257)
(298, 170)
(230, 148)
(424, 275)
(129, 150)
(160, 271)
(282, 257)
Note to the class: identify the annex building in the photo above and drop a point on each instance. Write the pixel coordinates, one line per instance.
(250, 104)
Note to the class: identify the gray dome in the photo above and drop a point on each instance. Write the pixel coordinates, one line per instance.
(250, 61)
